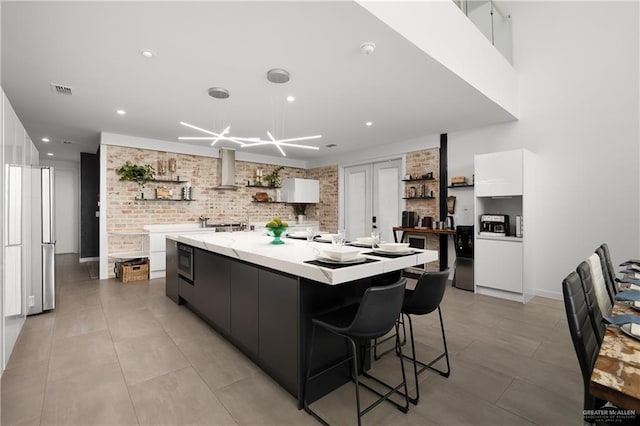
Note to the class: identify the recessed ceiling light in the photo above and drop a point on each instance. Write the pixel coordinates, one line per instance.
(291, 98)
(331, 145)
(45, 139)
(147, 53)
(367, 48)
(121, 112)
(50, 154)
(368, 124)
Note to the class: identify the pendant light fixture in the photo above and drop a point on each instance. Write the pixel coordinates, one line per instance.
(276, 76)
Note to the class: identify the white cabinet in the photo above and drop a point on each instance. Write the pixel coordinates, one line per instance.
(505, 185)
(499, 264)
(499, 173)
(296, 190)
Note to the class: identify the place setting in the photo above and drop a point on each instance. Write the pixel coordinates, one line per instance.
(338, 255)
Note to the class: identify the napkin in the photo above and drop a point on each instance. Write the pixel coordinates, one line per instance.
(634, 287)
(622, 319)
(628, 296)
(631, 281)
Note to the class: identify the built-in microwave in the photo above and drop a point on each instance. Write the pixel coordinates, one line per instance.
(185, 262)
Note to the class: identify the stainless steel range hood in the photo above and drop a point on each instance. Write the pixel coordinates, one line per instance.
(227, 169)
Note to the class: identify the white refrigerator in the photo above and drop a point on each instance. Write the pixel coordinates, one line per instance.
(43, 273)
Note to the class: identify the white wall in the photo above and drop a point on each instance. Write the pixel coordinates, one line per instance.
(578, 67)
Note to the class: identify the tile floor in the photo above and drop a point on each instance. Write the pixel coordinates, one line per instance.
(117, 354)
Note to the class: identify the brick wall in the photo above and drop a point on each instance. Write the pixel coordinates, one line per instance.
(419, 163)
(327, 209)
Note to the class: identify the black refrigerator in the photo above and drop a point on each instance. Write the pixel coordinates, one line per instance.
(463, 277)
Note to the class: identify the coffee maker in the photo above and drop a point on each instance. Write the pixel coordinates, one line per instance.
(494, 224)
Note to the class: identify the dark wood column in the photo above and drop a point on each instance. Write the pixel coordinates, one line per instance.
(443, 179)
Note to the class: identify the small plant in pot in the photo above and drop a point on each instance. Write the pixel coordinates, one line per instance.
(273, 178)
(138, 174)
(300, 210)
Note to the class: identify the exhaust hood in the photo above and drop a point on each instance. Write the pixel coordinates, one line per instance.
(227, 169)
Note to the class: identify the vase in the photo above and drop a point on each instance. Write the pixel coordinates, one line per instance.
(276, 233)
(301, 218)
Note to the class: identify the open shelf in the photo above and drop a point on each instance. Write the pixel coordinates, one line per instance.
(466, 185)
(129, 255)
(269, 202)
(418, 198)
(420, 180)
(162, 199)
(169, 181)
(263, 186)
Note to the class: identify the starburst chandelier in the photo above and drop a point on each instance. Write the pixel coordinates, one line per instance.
(276, 76)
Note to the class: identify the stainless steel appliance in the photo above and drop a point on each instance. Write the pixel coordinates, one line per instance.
(185, 262)
(43, 273)
(463, 277)
(494, 224)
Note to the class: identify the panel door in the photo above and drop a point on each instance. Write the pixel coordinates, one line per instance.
(386, 197)
(358, 207)
(278, 327)
(498, 264)
(244, 305)
(498, 174)
(212, 287)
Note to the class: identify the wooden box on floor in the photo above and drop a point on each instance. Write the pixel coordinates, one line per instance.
(134, 271)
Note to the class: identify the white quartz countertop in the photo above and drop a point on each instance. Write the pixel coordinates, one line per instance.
(256, 248)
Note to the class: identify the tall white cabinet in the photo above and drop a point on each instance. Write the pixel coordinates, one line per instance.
(505, 184)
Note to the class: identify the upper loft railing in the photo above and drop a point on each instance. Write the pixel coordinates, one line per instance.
(493, 20)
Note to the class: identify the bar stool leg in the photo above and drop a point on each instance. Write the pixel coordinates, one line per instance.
(306, 383)
(354, 375)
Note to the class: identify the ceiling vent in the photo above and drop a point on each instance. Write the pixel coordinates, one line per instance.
(67, 142)
(62, 89)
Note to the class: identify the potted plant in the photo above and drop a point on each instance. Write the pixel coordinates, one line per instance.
(138, 174)
(274, 177)
(300, 210)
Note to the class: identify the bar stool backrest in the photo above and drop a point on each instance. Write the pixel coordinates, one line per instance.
(379, 309)
(608, 279)
(582, 334)
(584, 272)
(428, 293)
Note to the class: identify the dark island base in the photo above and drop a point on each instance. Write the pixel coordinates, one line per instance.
(267, 315)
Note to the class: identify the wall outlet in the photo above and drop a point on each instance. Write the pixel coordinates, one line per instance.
(32, 301)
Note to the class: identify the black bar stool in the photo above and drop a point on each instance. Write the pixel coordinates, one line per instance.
(422, 300)
(374, 316)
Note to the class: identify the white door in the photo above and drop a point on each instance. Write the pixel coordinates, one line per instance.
(372, 191)
(386, 197)
(65, 210)
(357, 201)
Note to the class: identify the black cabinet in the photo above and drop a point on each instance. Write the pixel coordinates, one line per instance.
(278, 327)
(212, 289)
(244, 306)
(171, 277)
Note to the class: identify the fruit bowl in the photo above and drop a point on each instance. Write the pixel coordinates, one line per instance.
(276, 227)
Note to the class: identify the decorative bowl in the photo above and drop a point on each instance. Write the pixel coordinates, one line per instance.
(276, 233)
(394, 246)
(341, 254)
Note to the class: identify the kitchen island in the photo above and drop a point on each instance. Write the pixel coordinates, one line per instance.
(262, 297)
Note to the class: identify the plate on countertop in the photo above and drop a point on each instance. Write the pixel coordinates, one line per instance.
(356, 260)
(378, 250)
(635, 305)
(632, 330)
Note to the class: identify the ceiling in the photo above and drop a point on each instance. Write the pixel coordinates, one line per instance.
(94, 47)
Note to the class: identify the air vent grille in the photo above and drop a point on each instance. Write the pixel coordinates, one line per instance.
(67, 142)
(62, 89)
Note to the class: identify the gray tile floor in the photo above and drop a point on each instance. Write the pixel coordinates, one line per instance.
(120, 354)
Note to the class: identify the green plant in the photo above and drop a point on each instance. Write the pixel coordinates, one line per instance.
(274, 177)
(134, 173)
(299, 209)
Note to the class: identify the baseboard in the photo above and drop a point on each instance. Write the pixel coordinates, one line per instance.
(555, 295)
(89, 259)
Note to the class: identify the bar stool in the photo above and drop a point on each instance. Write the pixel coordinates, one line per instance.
(374, 316)
(422, 300)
